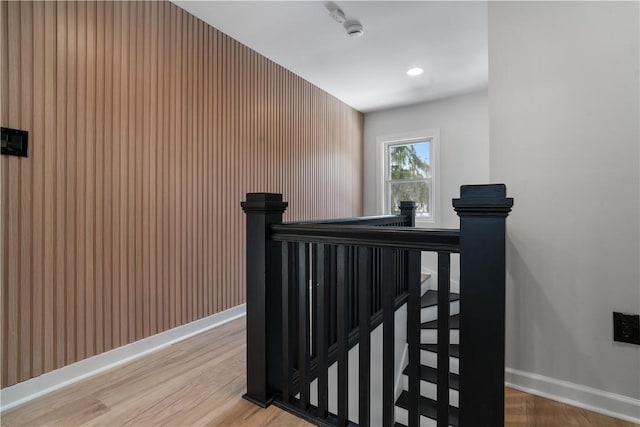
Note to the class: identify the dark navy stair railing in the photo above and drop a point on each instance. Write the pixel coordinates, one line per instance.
(317, 288)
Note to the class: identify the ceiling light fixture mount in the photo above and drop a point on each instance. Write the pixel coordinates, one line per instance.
(415, 71)
(337, 14)
(353, 27)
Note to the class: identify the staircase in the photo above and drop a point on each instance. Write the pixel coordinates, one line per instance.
(363, 269)
(428, 364)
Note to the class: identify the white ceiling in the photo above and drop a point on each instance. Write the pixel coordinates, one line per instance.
(447, 39)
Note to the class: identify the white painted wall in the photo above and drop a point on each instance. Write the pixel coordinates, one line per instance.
(463, 124)
(564, 124)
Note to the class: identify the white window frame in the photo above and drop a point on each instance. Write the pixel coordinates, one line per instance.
(384, 142)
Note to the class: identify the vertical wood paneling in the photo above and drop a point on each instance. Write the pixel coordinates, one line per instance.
(70, 175)
(90, 182)
(154, 161)
(59, 20)
(49, 354)
(11, 73)
(80, 166)
(4, 94)
(137, 172)
(107, 179)
(129, 152)
(99, 161)
(172, 204)
(37, 253)
(26, 191)
(117, 269)
(145, 216)
(147, 127)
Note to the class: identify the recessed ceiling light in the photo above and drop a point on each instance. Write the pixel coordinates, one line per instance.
(415, 72)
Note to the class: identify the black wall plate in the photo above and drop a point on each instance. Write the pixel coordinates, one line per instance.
(626, 328)
(14, 142)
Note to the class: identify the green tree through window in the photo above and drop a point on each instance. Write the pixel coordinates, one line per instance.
(409, 176)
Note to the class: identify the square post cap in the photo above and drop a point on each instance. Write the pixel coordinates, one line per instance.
(266, 203)
(483, 200)
(407, 205)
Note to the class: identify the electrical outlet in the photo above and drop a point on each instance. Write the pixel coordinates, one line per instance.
(626, 328)
(14, 142)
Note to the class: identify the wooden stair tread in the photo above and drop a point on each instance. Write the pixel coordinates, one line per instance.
(430, 298)
(429, 374)
(454, 349)
(428, 408)
(454, 323)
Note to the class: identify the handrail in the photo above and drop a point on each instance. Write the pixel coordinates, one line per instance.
(439, 240)
(369, 220)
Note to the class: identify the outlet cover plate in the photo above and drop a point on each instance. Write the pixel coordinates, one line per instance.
(15, 142)
(626, 328)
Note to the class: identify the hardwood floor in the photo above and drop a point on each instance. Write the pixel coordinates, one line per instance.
(523, 409)
(200, 382)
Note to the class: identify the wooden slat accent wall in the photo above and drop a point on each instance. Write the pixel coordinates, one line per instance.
(146, 128)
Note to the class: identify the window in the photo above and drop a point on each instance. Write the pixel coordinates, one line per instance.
(409, 164)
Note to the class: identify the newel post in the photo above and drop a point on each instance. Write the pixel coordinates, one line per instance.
(483, 210)
(264, 305)
(408, 208)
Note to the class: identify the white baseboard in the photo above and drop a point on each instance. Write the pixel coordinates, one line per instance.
(35, 387)
(603, 402)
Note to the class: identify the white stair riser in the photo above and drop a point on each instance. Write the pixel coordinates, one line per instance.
(428, 358)
(402, 416)
(428, 314)
(430, 336)
(430, 390)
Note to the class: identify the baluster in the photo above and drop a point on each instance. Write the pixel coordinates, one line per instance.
(333, 289)
(396, 278)
(321, 332)
(313, 270)
(405, 269)
(443, 338)
(402, 270)
(303, 322)
(353, 286)
(286, 329)
(294, 292)
(413, 332)
(364, 286)
(377, 300)
(388, 344)
(375, 281)
(343, 323)
(398, 259)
